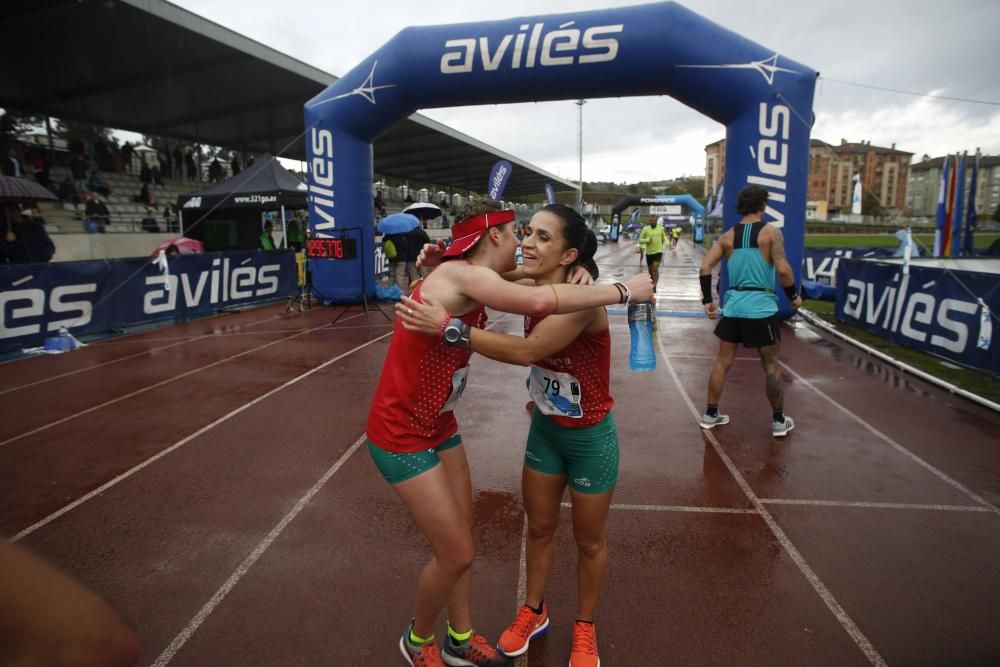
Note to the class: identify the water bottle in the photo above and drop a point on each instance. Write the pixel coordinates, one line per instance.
(640, 323)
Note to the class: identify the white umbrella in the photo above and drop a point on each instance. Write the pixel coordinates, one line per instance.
(423, 210)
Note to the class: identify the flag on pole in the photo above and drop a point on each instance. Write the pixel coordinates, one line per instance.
(970, 216)
(716, 212)
(949, 210)
(958, 207)
(939, 214)
(856, 199)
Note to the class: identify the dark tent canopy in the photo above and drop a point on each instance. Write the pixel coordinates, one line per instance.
(264, 185)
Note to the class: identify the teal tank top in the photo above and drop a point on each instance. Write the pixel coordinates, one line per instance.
(751, 278)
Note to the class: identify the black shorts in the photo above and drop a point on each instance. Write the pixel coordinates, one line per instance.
(654, 257)
(758, 332)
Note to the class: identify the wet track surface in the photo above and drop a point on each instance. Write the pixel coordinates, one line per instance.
(209, 480)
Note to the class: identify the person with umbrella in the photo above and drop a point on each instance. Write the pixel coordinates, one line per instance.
(24, 238)
(397, 230)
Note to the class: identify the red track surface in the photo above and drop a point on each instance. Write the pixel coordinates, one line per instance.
(207, 480)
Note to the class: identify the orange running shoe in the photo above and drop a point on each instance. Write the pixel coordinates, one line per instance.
(584, 653)
(477, 652)
(526, 626)
(425, 655)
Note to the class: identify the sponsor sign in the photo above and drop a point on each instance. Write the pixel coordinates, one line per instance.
(95, 296)
(929, 309)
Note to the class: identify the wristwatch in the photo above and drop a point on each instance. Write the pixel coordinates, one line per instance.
(457, 332)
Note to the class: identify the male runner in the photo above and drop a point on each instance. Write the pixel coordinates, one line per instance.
(652, 239)
(754, 250)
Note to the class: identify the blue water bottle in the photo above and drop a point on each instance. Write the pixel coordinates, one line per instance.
(640, 323)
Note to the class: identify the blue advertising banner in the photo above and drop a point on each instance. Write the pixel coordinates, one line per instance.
(929, 309)
(96, 296)
(820, 264)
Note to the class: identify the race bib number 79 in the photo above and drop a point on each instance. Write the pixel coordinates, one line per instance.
(555, 393)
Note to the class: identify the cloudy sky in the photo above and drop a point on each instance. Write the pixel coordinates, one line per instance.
(929, 47)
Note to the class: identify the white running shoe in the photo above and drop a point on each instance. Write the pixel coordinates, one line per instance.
(709, 422)
(781, 429)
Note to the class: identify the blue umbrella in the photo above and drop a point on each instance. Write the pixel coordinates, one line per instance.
(398, 223)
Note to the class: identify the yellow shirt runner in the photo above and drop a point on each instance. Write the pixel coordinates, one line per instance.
(652, 239)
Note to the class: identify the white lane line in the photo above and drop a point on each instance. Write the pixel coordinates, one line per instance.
(824, 593)
(106, 363)
(895, 445)
(710, 357)
(676, 508)
(161, 383)
(522, 584)
(199, 618)
(872, 505)
(180, 443)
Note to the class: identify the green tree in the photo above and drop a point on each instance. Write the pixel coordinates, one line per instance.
(85, 132)
(870, 205)
(14, 124)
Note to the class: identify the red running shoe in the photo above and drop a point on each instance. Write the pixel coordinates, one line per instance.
(584, 653)
(526, 626)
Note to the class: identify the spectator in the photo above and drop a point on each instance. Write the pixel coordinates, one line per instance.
(265, 240)
(24, 238)
(96, 215)
(295, 237)
(68, 193)
(127, 153)
(148, 223)
(11, 165)
(415, 240)
(146, 196)
(215, 170)
(40, 169)
(192, 168)
(178, 163)
(78, 168)
(145, 173)
(170, 217)
(172, 251)
(95, 184)
(163, 157)
(102, 154)
(155, 174)
(235, 165)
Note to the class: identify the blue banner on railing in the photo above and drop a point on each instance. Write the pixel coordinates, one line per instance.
(819, 265)
(102, 295)
(932, 310)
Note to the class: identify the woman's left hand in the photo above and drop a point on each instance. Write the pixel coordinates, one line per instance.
(427, 317)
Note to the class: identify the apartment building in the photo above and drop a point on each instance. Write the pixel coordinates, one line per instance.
(883, 171)
(925, 181)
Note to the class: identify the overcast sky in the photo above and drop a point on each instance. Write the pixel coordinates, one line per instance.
(946, 48)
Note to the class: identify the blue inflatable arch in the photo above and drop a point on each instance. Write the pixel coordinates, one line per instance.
(763, 99)
(660, 200)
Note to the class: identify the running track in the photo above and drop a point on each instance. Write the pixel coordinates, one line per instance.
(206, 479)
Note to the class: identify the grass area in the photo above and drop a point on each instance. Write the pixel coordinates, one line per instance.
(982, 240)
(975, 381)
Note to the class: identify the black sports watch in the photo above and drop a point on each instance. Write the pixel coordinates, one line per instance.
(457, 332)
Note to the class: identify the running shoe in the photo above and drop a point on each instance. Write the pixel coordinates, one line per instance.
(425, 655)
(526, 626)
(584, 653)
(709, 421)
(781, 429)
(476, 652)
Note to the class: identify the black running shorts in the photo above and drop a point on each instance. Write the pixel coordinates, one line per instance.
(760, 332)
(654, 258)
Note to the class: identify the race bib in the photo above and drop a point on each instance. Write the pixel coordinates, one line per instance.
(555, 393)
(457, 388)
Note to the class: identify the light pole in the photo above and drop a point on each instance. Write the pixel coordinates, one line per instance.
(580, 103)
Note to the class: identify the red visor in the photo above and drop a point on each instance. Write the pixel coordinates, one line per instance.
(466, 233)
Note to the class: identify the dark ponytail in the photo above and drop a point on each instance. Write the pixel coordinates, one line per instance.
(578, 236)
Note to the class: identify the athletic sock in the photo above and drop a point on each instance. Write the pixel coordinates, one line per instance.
(580, 620)
(779, 416)
(712, 410)
(537, 611)
(417, 640)
(459, 637)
